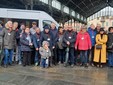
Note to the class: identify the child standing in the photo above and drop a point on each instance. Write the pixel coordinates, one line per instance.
(45, 54)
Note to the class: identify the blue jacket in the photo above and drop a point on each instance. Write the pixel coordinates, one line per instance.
(36, 40)
(92, 34)
(25, 43)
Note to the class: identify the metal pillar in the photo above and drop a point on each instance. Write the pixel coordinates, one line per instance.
(50, 7)
(26, 7)
(63, 17)
(31, 4)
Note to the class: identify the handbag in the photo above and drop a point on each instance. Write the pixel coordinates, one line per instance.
(99, 46)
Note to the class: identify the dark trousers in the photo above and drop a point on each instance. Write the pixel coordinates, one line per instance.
(61, 54)
(70, 57)
(55, 59)
(33, 56)
(26, 58)
(92, 54)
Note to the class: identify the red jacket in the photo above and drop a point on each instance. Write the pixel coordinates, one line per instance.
(83, 41)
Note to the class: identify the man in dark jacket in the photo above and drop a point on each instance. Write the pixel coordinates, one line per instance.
(18, 35)
(47, 36)
(37, 44)
(69, 42)
(54, 31)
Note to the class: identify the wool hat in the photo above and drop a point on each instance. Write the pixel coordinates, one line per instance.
(102, 29)
(46, 27)
(45, 42)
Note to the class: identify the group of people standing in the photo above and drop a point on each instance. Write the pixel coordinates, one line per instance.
(54, 46)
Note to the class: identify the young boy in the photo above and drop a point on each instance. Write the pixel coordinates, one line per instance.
(45, 54)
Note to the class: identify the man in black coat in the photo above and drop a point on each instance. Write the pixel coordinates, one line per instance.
(47, 36)
(69, 42)
(54, 31)
(18, 35)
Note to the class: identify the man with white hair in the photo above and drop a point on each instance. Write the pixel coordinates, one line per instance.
(92, 32)
(54, 31)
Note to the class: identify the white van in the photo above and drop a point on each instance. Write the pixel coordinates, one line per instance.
(27, 16)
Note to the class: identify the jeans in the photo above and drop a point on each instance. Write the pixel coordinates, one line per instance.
(36, 56)
(84, 56)
(8, 56)
(110, 59)
(43, 63)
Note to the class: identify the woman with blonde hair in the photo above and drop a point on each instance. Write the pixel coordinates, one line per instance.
(9, 38)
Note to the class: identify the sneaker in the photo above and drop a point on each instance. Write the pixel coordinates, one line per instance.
(72, 65)
(5, 66)
(59, 62)
(65, 65)
(24, 65)
(92, 65)
(36, 64)
(98, 66)
(20, 63)
(101, 66)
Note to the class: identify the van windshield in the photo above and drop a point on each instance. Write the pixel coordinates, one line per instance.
(46, 22)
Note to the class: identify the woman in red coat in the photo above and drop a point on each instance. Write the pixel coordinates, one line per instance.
(83, 43)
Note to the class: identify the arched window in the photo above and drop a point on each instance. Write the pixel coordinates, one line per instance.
(56, 4)
(73, 13)
(44, 1)
(66, 9)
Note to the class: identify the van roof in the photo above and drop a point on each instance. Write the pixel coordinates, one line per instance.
(24, 14)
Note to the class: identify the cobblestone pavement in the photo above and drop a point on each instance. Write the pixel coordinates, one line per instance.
(57, 75)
